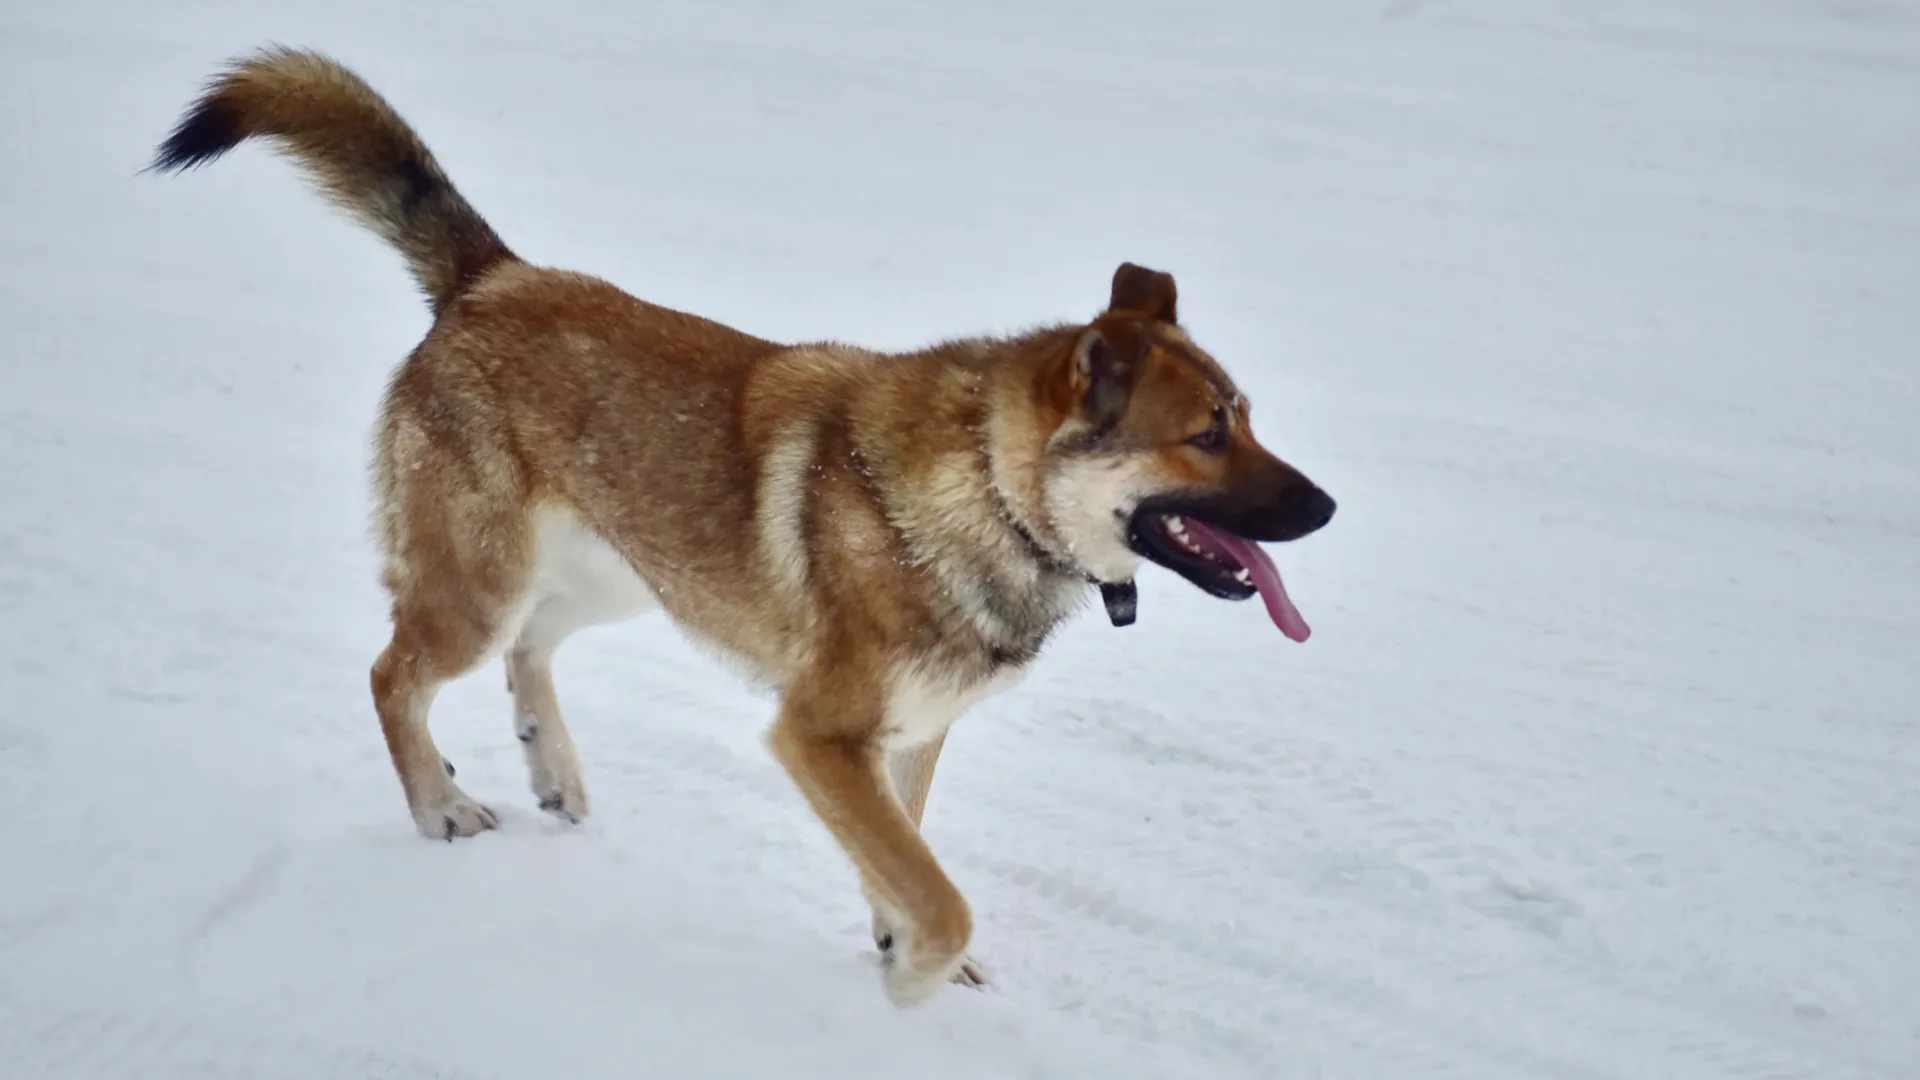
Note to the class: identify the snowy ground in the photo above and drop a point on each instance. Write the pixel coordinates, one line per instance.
(1597, 316)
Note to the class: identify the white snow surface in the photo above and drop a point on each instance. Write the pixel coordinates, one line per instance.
(1596, 316)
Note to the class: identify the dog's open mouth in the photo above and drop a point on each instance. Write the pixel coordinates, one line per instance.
(1228, 566)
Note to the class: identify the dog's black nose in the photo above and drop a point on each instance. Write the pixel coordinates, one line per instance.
(1320, 510)
(1302, 510)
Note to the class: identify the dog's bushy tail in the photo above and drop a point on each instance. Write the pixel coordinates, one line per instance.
(363, 156)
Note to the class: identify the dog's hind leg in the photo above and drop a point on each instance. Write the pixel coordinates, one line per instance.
(580, 581)
(437, 638)
(433, 643)
(553, 765)
(406, 677)
(458, 565)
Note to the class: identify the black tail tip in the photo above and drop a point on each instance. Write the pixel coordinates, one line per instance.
(211, 129)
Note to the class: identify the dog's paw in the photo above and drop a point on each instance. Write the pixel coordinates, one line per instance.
(560, 792)
(969, 972)
(567, 806)
(453, 815)
(908, 985)
(555, 777)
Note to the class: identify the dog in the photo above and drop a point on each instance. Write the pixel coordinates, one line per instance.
(882, 539)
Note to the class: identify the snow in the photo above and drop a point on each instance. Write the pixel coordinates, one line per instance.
(1595, 315)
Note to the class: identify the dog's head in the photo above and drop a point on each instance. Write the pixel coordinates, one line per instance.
(1154, 457)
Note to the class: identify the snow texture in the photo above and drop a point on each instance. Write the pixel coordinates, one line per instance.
(1597, 316)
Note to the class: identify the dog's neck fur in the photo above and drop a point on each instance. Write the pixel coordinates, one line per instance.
(1014, 436)
(1009, 576)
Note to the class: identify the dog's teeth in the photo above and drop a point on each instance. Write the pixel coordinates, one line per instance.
(1177, 529)
(1243, 577)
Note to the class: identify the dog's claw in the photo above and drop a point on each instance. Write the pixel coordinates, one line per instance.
(453, 816)
(557, 804)
(971, 975)
(449, 767)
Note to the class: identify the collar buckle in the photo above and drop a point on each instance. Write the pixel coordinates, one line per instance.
(1122, 600)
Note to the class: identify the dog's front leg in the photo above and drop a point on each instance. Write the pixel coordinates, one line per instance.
(911, 771)
(839, 766)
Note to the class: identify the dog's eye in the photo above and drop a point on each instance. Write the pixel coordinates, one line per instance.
(1213, 439)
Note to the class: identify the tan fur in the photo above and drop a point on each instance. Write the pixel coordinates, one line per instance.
(881, 538)
(363, 157)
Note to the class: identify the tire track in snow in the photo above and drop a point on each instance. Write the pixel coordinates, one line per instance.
(1348, 990)
(1366, 1013)
(1554, 985)
(50, 1043)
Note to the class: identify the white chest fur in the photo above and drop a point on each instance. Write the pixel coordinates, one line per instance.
(922, 708)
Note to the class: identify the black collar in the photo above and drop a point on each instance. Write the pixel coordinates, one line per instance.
(1048, 560)
(1121, 598)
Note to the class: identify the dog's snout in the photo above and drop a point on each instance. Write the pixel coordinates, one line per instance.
(1302, 509)
(1319, 510)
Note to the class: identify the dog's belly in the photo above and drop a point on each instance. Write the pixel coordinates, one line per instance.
(578, 580)
(921, 708)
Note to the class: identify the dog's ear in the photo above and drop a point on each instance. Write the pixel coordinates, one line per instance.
(1147, 292)
(1106, 364)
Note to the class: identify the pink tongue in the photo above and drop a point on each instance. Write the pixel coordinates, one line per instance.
(1266, 577)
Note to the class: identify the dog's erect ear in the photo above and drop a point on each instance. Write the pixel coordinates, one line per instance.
(1149, 292)
(1105, 368)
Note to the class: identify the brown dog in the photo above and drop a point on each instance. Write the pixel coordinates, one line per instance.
(884, 538)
